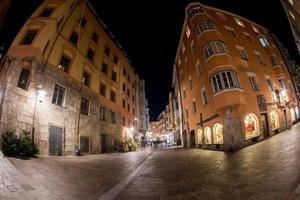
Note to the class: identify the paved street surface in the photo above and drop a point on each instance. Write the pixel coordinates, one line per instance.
(267, 170)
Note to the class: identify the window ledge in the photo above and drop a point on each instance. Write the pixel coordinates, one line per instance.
(228, 90)
(221, 54)
(209, 30)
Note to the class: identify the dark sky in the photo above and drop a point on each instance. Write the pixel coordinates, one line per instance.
(149, 32)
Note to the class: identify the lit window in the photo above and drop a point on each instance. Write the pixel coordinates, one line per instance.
(239, 22)
(213, 48)
(218, 133)
(188, 32)
(251, 126)
(291, 2)
(292, 15)
(263, 41)
(207, 135)
(274, 120)
(190, 83)
(204, 25)
(224, 80)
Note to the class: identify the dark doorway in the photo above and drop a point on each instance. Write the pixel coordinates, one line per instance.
(193, 139)
(55, 141)
(285, 118)
(265, 124)
(84, 144)
(103, 141)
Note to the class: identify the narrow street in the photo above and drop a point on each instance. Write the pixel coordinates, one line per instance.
(267, 170)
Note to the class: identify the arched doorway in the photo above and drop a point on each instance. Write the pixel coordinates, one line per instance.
(274, 120)
(200, 136)
(218, 133)
(251, 126)
(207, 135)
(293, 114)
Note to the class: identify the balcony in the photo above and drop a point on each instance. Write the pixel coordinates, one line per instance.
(229, 97)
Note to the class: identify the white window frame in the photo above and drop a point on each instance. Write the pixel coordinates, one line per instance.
(224, 80)
(253, 81)
(204, 25)
(215, 47)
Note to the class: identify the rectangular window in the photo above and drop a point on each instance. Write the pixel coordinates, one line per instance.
(283, 84)
(132, 98)
(123, 103)
(90, 54)
(107, 51)
(113, 117)
(239, 22)
(198, 69)
(113, 96)
(224, 80)
(248, 37)
(186, 113)
(102, 89)
(116, 60)
(123, 121)
(263, 41)
(24, 79)
(46, 12)
(64, 63)
(29, 37)
(190, 83)
(243, 53)
(128, 92)
(85, 106)
(214, 47)
(204, 25)
(102, 113)
(231, 32)
(259, 58)
(86, 78)
(270, 84)
(95, 37)
(253, 83)
(193, 47)
(273, 60)
(184, 93)
(104, 68)
(74, 38)
(123, 87)
(204, 97)
(58, 95)
(114, 76)
(124, 72)
(128, 107)
(194, 106)
(83, 22)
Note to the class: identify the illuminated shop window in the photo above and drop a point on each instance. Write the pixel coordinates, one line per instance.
(207, 135)
(274, 120)
(218, 133)
(251, 126)
(200, 135)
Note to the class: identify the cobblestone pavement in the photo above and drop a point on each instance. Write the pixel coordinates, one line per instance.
(267, 170)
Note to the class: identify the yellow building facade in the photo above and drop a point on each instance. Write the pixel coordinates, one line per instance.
(68, 81)
(233, 85)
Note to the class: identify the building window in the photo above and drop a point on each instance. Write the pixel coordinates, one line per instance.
(273, 60)
(253, 82)
(24, 79)
(74, 38)
(194, 106)
(116, 60)
(182, 48)
(214, 48)
(283, 83)
(193, 47)
(29, 37)
(224, 80)
(102, 113)
(104, 68)
(107, 51)
(82, 22)
(204, 25)
(243, 53)
(114, 76)
(113, 117)
(113, 96)
(198, 68)
(186, 113)
(230, 32)
(85, 106)
(128, 92)
(123, 103)
(259, 58)
(123, 87)
(128, 78)
(58, 95)
(190, 83)
(124, 72)
(270, 84)
(46, 12)
(187, 31)
(95, 37)
(86, 78)
(132, 97)
(102, 89)
(251, 126)
(218, 133)
(207, 135)
(204, 97)
(132, 111)
(123, 121)
(239, 22)
(90, 54)
(128, 107)
(263, 41)
(195, 11)
(248, 37)
(64, 63)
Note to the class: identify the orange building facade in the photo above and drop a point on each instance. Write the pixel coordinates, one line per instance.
(232, 83)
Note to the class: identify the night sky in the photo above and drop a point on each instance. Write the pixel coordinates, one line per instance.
(149, 32)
